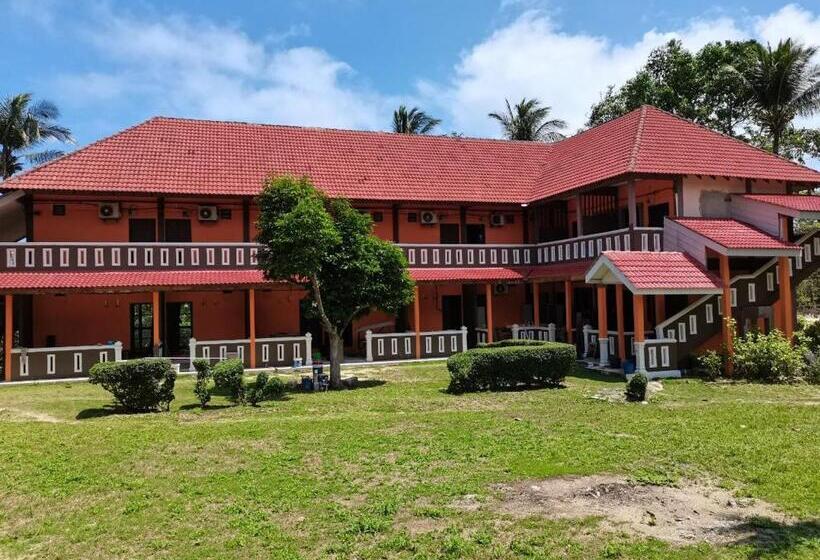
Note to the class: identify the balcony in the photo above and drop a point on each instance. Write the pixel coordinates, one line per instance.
(111, 257)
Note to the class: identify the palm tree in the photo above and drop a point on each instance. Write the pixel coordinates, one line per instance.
(414, 121)
(24, 125)
(784, 84)
(528, 120)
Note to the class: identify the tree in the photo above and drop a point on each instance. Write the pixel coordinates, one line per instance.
(529, 120)
(784, 84)
(327, 247)
(24, 125)
(414, 121)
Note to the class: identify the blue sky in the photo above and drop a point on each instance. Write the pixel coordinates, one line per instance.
(348, 63)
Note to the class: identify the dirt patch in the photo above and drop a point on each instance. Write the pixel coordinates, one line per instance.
(683, 514)
(18, 415)
(619, 395)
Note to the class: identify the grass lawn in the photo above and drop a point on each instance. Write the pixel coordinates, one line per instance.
(375, 472)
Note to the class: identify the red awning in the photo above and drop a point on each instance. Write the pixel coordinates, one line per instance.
(653, 273)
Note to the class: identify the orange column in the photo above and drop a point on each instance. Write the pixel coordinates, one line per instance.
(619, 312)
(786, 310)
(155, 314)
(8, 335)
(660, 309)
(602, 330)
(488, 290)
(417, 319)
(728, 340)
(638, 312)
(536, 303)
(568, 308)
(252, 327)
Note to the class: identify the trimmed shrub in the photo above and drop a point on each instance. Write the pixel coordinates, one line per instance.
(137, 385)
(227, 376)
(203, 379)
(636, 388)
(506, 366)
(265, 388)
(711, 364)
(768, 358)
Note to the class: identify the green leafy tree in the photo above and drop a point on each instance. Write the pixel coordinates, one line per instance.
(327, 247)
(784, 83)
(529, 120)
(25, 125)
(414, 121)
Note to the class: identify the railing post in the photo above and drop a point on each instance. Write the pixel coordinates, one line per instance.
(368, 337)
(603, 347)
(191, 353)
(515, 329)
(551, 332)
(463, 338)
(639, 361)
(586, 330)
(308, 349)
(118, 351)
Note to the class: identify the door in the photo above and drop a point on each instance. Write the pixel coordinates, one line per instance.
(475, 234)
(451, 312)
(449, 234)
(179, 327)
(142, 230)
(178, 231)
(142, 330)
(657, 212)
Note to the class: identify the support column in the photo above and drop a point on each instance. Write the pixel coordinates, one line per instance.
(252, 327)
(639, 328)
(568, 309)
(417, 319)
(8, 335)
(660, 309)
(579, 215)
(488, 290)
(631, 204)
(536, 303)
(786, 305)
(603, 335)
(155, 313)
(728, 339)
(677, 189)
(619, 312)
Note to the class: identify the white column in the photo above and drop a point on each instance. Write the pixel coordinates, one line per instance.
(603, 347)
(308, 349)
(191, 353)
(515, 331)
(118, 351)
(551, 332)
(463, 338)
(586, 330)
(368, 337)
(639, 363)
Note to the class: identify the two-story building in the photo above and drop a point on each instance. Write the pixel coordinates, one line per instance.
(632, 240)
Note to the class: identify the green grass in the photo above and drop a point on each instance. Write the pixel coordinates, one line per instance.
(373, 473)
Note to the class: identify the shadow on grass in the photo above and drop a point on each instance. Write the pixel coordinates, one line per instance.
(192, 406)
(517, 389)
(106, 410)
(773, 539)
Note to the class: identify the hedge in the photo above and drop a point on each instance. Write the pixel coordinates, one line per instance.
(137, 385)
(508, 364)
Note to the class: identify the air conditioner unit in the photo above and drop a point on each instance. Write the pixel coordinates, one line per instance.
(497, 220)
(207, 214)
(428, 218)
(501, 289)
(109, 210)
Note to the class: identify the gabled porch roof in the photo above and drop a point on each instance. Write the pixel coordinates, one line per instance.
(727, 236)
(648, 273)
(792, 205)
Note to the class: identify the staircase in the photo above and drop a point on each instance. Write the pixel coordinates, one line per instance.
(702, 320)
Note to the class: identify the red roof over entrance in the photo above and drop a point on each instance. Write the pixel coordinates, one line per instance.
(653, 273)
(733, 234)
(801, 203)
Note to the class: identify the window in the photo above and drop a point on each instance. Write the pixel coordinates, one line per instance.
(653, 357)
(752, 294)
(142, 329)
(58, 210)
(224, 213)
(178, 231)
(142, 230)
(681, 332)
(770, 281)
(733, 298)
(412, 217)
(710, 313)
(693, 324)
(378, 216)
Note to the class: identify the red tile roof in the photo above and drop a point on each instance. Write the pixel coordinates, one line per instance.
(563, 271)
(182, 156)
(467, 274)
(799, 202)
(35, 281)
(733, 234)
(660, 271)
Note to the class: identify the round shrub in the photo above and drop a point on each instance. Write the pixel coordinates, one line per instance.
(265, 388)
(507, 365)
(636, 388)
(137, 385)
(710, 364)
(227, 376)
(203, 378)
(767, 358)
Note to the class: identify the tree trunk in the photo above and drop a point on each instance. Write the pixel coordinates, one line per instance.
(776, 143)
(337, 351)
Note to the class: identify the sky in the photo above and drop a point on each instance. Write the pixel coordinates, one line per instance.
(109, 64)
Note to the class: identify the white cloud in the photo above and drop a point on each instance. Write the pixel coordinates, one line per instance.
(789, 21)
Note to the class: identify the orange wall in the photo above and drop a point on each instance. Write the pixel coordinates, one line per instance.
(277, 312)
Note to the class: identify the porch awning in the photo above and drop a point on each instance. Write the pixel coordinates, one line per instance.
(726, 236)
(647, 273)
(136, 281)
(488, 274)
(794, 205)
